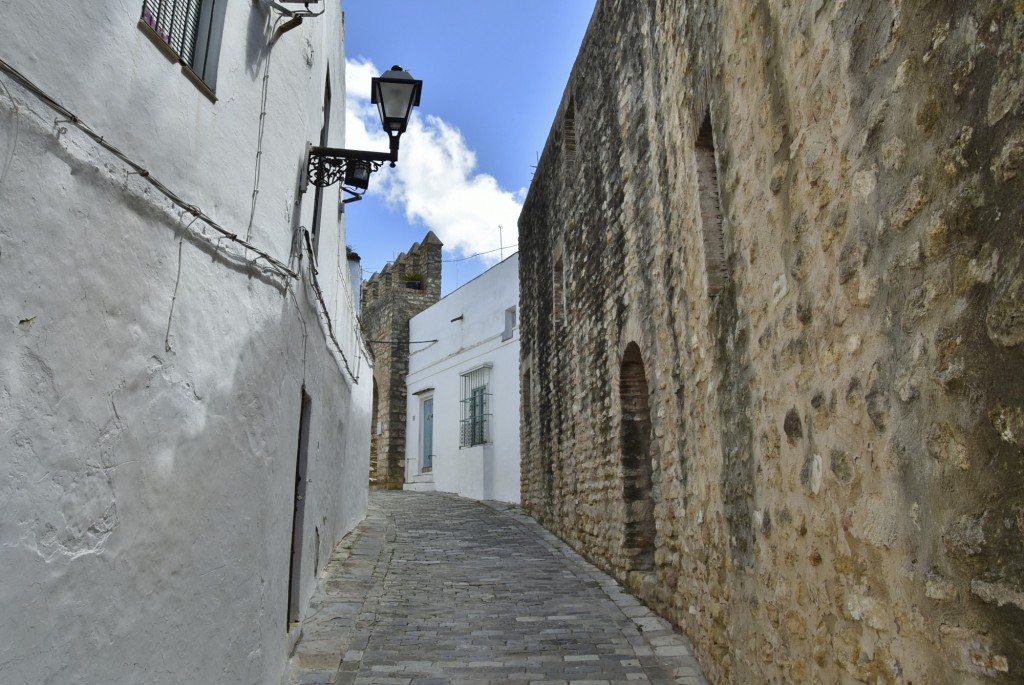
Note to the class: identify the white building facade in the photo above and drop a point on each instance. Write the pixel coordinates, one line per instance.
(463, 405)
(184, 402)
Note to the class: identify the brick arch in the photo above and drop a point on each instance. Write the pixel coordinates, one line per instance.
(637, 469)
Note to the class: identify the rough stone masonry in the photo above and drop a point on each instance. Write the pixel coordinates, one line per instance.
(773, 331)
(398, 292)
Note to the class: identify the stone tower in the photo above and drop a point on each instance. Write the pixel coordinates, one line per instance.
(389, 299)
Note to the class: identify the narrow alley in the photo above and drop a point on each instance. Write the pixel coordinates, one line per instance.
(436, 589)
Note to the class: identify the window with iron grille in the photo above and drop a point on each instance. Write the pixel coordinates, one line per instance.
(476, 407)
(191, 29)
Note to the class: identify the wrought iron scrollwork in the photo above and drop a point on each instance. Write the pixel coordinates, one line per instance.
(327, 167)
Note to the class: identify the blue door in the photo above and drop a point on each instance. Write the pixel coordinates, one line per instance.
(428, 434)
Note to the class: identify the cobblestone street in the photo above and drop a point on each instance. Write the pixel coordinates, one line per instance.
(435, 589)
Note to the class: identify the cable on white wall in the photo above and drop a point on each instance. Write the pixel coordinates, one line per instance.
(262, 127)
(323, 305)
(69, 117)
(14, 139)
(270, 262)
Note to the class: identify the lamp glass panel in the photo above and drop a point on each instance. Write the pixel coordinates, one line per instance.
(395, 103)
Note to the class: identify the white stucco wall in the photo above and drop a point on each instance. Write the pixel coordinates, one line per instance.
(150, 374)
(489, 471)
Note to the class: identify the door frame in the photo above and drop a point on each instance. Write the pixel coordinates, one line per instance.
(299, 512)
(426, 456)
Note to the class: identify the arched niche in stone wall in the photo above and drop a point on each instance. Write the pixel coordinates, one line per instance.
(637, 471)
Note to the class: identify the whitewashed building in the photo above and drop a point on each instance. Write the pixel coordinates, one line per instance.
(463, 409)
(184, 406)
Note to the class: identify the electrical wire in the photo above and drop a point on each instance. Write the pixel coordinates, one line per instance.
(14, 138)
(323, 305)
(262, 126)
(357, 328)
(174, 297)
(462, 259)
(431, 262)
(69, 117)
(270, 262)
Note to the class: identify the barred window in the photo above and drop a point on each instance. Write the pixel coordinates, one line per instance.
(476, 407)
(191, 29)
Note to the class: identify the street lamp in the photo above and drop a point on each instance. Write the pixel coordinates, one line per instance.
(395, 93)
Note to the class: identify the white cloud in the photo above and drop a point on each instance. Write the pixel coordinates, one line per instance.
(436, 182)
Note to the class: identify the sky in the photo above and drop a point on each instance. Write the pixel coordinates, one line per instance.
(493, 76)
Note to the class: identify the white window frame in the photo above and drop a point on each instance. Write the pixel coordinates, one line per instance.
(510, 324)
(423, 466)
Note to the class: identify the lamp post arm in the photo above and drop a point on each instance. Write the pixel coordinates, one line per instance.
(337, 154)
(326, 165)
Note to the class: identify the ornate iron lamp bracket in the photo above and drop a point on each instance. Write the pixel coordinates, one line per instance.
(395, 93)
(327, 165)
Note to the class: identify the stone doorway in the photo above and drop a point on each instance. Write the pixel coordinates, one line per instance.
(637, 471)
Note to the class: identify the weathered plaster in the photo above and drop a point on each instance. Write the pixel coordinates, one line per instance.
(150, 375)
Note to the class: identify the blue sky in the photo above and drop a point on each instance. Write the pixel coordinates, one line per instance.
(493, 74)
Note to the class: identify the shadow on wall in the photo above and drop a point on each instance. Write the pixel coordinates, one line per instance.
(259, 39)
(240, 475)
(149, 412)
(170, 533)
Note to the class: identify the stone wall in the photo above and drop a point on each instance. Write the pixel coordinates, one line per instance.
(797, 227)
(387, 305)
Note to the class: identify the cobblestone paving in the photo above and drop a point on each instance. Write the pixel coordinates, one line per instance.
(433, 589)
